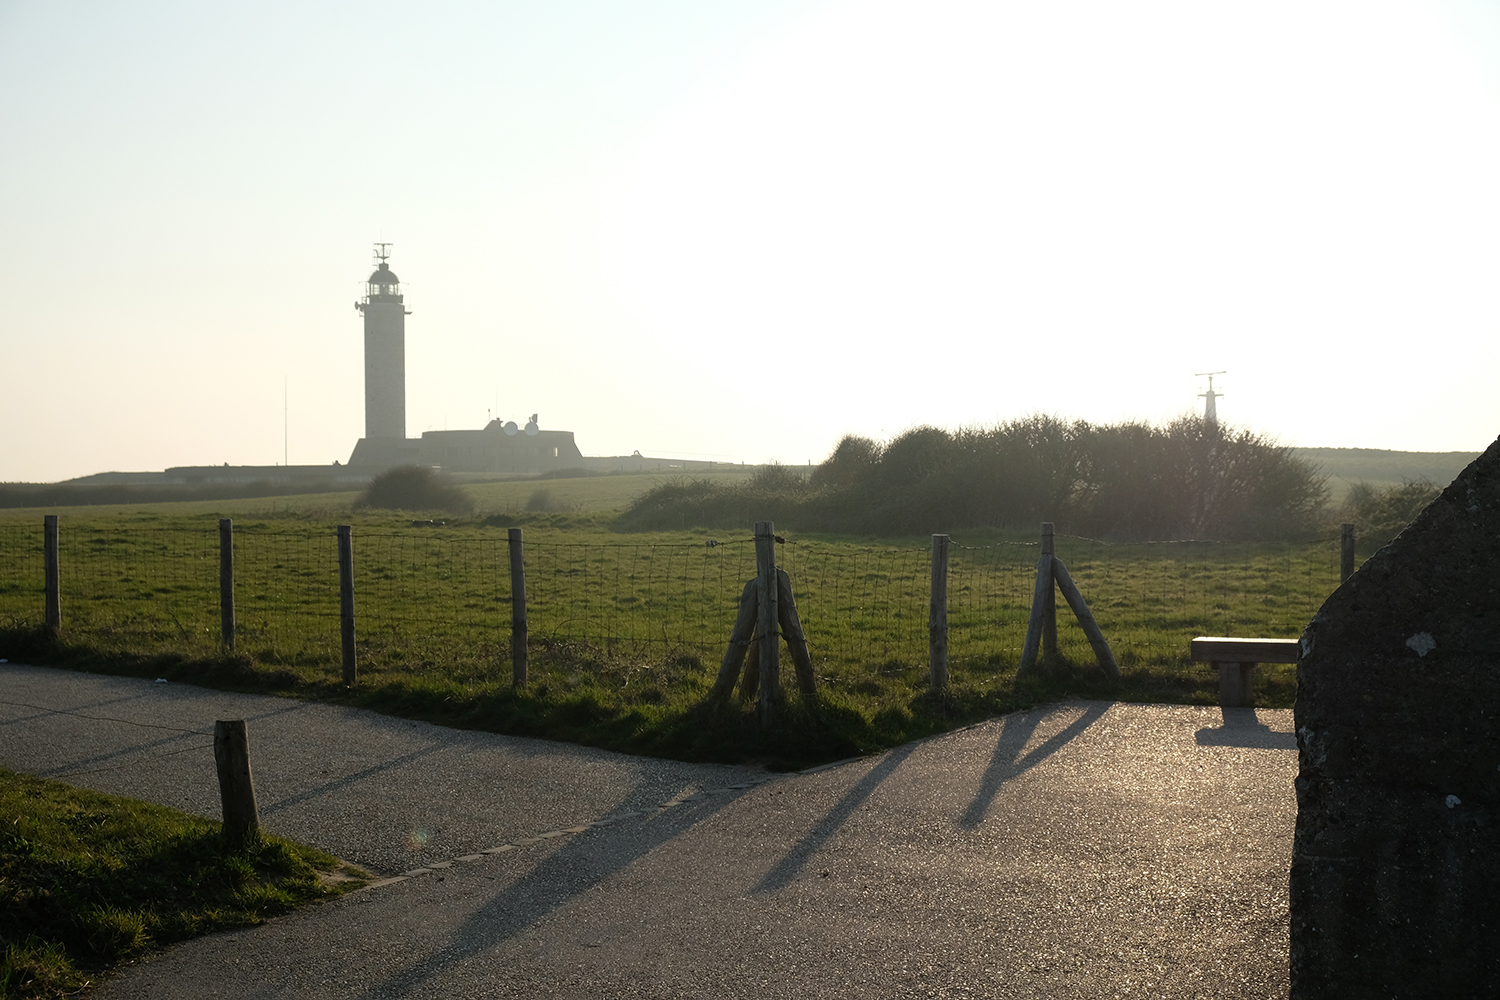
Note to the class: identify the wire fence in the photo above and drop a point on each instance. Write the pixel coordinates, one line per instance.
(433, 598)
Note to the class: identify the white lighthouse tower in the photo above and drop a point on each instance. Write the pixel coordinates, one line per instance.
(385, 312)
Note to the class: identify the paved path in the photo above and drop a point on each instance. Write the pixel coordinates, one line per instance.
(1084, 850)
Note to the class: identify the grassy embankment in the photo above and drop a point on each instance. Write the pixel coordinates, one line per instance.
(1380, 469)
(627, 629)
(88, 880)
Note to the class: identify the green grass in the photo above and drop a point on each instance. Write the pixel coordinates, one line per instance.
(88, 880)
(590, 495)
(1380, 468)
(627, 629)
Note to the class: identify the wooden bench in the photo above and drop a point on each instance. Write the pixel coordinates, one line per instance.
(1236, 660)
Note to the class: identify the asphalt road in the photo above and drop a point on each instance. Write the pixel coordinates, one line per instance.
(1081, 850)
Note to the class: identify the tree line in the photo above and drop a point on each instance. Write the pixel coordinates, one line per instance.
(1191, 478)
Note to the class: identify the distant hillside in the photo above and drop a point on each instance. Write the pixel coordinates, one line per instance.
(1378, 467)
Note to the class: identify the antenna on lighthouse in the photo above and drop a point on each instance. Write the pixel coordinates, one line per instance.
(383, 253)
(1210, 411)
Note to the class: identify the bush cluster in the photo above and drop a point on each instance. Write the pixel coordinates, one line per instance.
(1379, 515)
(1188, 479)
(416, 488)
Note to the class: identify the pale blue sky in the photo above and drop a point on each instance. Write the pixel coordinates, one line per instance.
(740, 230)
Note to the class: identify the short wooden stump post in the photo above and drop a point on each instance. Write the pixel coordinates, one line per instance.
(236, 787)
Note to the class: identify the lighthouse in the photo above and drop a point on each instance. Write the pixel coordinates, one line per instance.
(384, 310)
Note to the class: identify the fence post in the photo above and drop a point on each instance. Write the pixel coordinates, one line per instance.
(517, 610)
(1035, 623)
(1346, 552)
(226, 582)
(1049, 600)
(236, 787)
(49, 558)
(937, 615)
(346, 600)
(796, 639)
(768, 620)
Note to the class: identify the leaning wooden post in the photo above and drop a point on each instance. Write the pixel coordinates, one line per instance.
(517, 610)
(937, 615)
(53, 610)
(1049, 605)
(767, 619)
(226, 582)
(739, 643)
(1074, 597)
(1346, 552)
(236, 787)
(346, 601)
(796, 639)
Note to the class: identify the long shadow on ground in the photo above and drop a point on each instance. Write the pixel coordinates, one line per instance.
(567, 873)
(1007, 763)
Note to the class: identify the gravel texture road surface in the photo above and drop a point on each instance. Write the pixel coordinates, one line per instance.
(1079, 850)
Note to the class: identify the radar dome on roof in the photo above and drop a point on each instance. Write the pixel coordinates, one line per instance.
(384, 275)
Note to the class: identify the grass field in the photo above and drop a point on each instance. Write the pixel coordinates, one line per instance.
(87, 880)
(588, 494)
(1381, 468)
(627, 629)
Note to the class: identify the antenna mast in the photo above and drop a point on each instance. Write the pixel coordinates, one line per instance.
(383, 253)
(1210, 411)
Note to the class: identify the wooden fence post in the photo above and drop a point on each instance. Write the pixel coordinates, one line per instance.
(937, 615)
(796, 639)
(346, 600)
(1049, 602)
(1040, 597)
(1074, 597)
(226, 582)
(1346, 552)
(518, 627)
(236, 787)
(768, 619)
(53, 600)
(739, 643)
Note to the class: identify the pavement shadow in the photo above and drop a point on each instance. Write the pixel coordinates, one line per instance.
(42, 711)
(573, 869)
(338, 784)
(1007, 762)
(787, 868)
(124, 757)
(1243, 728)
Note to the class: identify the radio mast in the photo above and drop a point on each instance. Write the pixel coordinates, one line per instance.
(1210, 411)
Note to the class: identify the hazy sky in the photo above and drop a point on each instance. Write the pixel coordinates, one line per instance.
(739, 230)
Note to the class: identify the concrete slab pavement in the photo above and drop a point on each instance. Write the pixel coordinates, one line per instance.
(1081, 850)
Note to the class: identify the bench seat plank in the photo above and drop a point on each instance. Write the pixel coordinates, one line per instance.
(1226, 649)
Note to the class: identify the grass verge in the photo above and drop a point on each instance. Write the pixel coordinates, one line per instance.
(581, 694)
(88, 880)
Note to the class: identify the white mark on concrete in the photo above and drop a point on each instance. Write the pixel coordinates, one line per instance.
(1422, 642)
(1453, 800)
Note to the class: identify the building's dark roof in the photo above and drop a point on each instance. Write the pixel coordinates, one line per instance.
(384, 275)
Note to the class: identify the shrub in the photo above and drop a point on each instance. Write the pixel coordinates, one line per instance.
(1189, 479)
(1380, 515)
(544, 501)
(415, 487)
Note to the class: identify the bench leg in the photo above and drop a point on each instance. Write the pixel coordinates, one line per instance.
(1235, 684)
